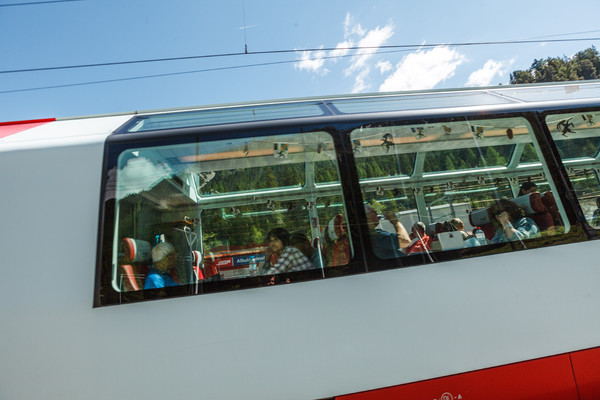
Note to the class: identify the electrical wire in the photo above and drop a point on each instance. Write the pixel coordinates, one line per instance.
(191, 72)
(220, 55)
(37, 3)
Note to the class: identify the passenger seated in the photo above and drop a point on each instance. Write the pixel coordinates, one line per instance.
(164, 260)
(300, 241)
(421, 242)
(511, 222)
(527, 188)
(336, 243)
(596, 217)
(458, 225)
(386, 244)
(281, 257)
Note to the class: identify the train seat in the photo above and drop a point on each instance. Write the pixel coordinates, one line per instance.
(534, 206)
(552, 207)
(136, 261)
(536, 210)
(197, 265)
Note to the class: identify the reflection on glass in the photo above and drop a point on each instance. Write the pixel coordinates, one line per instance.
(577, 137)
(231, 209)
(459, 171)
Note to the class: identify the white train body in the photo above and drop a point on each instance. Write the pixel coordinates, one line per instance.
(433, 324)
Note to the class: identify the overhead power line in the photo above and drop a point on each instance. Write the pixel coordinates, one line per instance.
(220, 55)
(187, 72)
(31, 3)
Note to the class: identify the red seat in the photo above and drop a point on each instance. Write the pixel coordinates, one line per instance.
(197, 264)
(135, 262)
(535, 208)
(552, 207)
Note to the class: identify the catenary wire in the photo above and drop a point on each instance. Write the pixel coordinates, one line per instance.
(31, 3)
(193, 72)
(220, 55)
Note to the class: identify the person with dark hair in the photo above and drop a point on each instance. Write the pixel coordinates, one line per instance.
(281, 257)
(300, 241)
(387, 244)
(512, 223)
(596, 217)
(527, 188)
(421, 242)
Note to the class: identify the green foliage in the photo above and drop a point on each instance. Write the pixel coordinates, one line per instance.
(583, 65)
(388, 165)
(452, 160)
(529, 154)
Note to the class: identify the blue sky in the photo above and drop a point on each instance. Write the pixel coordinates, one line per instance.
(100, 31)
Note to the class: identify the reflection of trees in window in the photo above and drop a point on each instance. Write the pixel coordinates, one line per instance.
(574, 148)
(249, 226)
(329, 207)
(391, 199)
(326, 171)
(471, 192)
(238, 180)
(452, 160)
(529, 154)
(387, 165)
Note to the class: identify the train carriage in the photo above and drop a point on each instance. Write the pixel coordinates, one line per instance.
(501, 305)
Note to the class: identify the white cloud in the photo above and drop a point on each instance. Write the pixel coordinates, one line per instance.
(312, 62)
(423, 69)
(384, 66)
(341, 49)
(484, 75)
(373, 39)
(360, 84)
(352, 29)
(361, 61)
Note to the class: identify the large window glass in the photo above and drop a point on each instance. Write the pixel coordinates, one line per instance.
(577, 137)
(471, 183)
(201, 212)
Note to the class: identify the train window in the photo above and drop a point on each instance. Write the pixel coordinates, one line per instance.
(216, 116)
(577, 138)
(202, 212)
(471, 183)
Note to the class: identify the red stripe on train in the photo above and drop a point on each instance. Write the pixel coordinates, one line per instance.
(563, 377)
(10, 128)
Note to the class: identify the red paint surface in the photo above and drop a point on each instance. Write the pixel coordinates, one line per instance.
(10, 128)
(549, 378)
(586, 367)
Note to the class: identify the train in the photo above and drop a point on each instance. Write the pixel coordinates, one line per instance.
(446, 240)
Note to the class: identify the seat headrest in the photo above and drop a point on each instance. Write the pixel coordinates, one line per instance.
(532, 203)
(136, 251)
(479, 217)
(548, 199)
(197, 257)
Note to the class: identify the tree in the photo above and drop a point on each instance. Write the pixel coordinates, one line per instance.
(583, 65)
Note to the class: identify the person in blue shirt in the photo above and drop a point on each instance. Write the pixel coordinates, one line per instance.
(596, 217)
(164, 259)
(387, 244)
(513, 225)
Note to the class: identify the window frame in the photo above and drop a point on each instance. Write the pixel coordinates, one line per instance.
(340, 128)
(547, 149)
(116, 144)
(569, 195)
